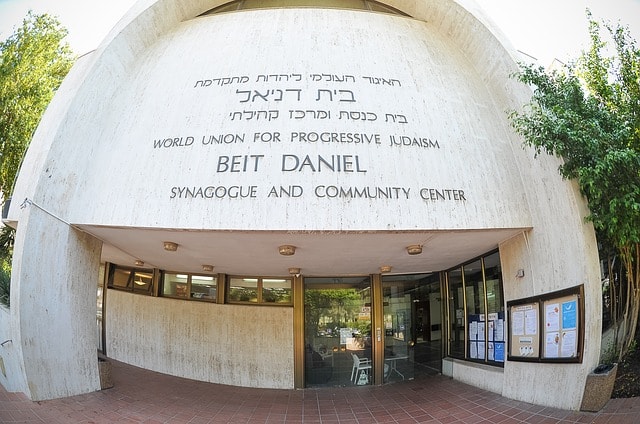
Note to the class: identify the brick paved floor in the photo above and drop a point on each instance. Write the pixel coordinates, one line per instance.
(141, 396)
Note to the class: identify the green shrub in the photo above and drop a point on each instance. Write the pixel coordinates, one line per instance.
(5, 287)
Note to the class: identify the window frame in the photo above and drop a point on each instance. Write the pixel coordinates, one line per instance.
(259, 290)
(131, 286)
(503, 311)
(189, 285)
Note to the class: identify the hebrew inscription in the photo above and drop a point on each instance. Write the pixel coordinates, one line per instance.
(295, 110)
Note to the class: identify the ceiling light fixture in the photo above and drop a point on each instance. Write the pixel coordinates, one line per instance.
(170, 246)
(414, 249)
(207, 268)
(139, 262)
(294, 271)
(287, 250)
(385, 268)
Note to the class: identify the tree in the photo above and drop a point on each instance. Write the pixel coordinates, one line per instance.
(589, 115)
(33, 62)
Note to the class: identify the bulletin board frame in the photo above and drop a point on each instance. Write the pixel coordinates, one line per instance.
(547, 328)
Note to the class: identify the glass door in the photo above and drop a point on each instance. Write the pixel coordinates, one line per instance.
(337, 331)
(412, 315)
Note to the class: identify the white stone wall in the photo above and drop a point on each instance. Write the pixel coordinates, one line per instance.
(53, 307)
(228, 344)
(410, 85)
(11, 373)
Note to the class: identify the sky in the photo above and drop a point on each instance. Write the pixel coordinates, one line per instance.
(543, 29)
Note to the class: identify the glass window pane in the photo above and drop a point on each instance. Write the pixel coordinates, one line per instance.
(276, 290)
(493, 276)
(412, 315)
(337, 331)
(496, 339)
(474, 287)
(121, 278)
(456, 314)
(204, 287)
(477, 330)
(243, 290)
(142, 281)
(175, 285)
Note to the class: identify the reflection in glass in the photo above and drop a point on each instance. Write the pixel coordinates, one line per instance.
(496, 339)
(476, 319)
(203, 287)
(493, 277)
(276, 290)
(243, 289)
(260, 290)
(142, 281)
(412, 326)
(120, 277)
(456, 314)
(132, 279)
(175, 285)
(337, 331)
(476, 306)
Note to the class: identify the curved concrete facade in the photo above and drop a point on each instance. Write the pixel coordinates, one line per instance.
(346, 133)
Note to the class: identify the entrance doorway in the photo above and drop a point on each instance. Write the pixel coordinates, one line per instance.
(337, 331)
(338, 312)
(412, 325)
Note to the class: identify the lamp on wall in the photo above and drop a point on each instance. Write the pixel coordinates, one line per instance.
(170, 246)
(286, 250)
(414, 249)
(207, 268)
(138, 262)
(385, 268)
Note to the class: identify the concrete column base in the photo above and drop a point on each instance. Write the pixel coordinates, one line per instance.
(104, 367)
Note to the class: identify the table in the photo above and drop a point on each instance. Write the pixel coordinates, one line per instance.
(392, 364)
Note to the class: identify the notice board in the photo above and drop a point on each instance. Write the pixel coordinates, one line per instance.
(525, 330)
(561, 327)
(547, 328)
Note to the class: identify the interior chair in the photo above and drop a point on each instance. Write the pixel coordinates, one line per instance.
(325, 353)
(360, 365)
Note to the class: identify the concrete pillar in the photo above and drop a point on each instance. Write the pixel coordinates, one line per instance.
(54, 295)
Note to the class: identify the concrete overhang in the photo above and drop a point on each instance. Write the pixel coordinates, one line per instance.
(317, 252)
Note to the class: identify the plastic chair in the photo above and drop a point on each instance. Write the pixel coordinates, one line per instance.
(359, 365)
(325, 353)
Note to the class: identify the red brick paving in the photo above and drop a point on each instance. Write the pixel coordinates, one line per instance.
(141, 396)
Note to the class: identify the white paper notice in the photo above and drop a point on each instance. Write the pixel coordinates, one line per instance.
(473, 350)
(518, 323)
(480, 350)
(481, 330)
(552, 345)
(491, 329)
(473, 330)
(568, 344)
(500, 330)
(531, 322)
(553, 317)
